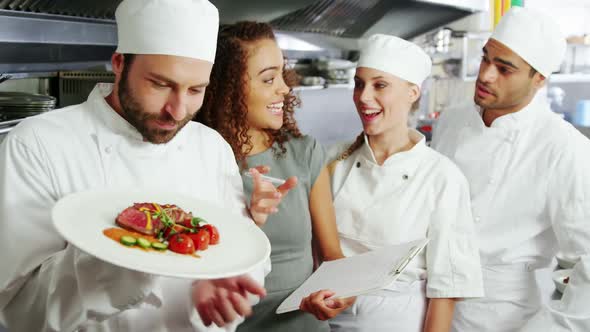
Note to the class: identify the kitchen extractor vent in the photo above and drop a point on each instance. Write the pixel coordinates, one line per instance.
(341, 18)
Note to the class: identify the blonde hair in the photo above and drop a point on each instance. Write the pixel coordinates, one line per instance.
(358, 142)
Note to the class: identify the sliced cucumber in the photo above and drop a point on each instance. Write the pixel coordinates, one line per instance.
(128, 240)
(144, 243)
(159, 246)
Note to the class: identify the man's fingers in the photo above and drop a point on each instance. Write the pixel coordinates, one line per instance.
(216, 317)
(251, 286)
(224, 306)
(241, 304)
(203, 310)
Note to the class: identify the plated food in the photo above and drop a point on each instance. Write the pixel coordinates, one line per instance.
(161, 227)
(82, 217)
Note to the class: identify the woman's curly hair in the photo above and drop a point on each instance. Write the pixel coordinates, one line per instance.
(224, 106)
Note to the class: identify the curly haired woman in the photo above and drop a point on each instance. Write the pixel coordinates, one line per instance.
(250, 103)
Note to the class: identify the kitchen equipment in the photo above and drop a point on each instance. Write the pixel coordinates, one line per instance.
(313, 80)
(16, 105)
(336, 71)
(4, 77)
(556, 97)
(75, 86)
(5, 128)
(581, 116)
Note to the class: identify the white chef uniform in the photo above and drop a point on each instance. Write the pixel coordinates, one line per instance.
(47, 285)
(530, 192)
(414, 194)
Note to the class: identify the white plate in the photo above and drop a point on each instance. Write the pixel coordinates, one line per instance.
(558, 277)
(81, 218)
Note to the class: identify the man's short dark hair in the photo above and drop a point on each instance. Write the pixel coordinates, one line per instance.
(532, 72)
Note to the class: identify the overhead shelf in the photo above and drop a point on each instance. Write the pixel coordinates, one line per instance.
(569, 78)
(37, 28)
(321, 87)
(38, 42)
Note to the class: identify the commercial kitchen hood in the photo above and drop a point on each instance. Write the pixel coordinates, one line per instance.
(59, 34)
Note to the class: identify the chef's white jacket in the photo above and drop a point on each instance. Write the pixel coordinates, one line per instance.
(48, 285)
(414, 194)
(529, 178)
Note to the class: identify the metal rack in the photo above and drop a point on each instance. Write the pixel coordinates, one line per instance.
(39, 42)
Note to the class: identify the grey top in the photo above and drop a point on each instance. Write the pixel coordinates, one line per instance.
(290, 232)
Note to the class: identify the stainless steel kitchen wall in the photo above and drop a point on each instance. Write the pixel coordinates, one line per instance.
(329, 115)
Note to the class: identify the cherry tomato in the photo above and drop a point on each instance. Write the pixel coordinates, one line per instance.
(187, 223)
(177, 229)
(201, 239)
(182, 244)
(213, 232)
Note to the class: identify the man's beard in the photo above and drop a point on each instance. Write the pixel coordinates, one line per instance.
(137, 118)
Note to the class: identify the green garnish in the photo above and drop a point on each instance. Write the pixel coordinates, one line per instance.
(144, 243)
(128, 240)
(159, 246)
(196, 221)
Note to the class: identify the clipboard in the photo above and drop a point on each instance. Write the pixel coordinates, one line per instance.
(357, 275)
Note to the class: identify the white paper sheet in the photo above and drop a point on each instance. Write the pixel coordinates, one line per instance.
(356, 275)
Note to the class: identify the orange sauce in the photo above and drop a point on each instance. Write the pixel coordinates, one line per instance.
(116, 233)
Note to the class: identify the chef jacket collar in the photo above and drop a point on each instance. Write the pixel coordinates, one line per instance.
(111, 119)
(517, 120)
(405, 159)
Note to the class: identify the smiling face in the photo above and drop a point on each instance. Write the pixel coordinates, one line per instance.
(505, 82)
(383, 101)
(160, 94)
(266, 89)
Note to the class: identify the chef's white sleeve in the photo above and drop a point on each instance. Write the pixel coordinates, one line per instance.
(569, 207)
(452, 255)
(45, 284)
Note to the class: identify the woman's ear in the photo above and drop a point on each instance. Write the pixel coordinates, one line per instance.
(414, 92)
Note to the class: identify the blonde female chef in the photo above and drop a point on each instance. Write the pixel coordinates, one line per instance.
(389, 187)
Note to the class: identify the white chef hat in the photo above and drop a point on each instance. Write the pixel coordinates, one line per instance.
(534, 36)
(185, 28)
(396, 56)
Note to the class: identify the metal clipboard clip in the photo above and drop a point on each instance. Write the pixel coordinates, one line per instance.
(402, 265)
(406, 260)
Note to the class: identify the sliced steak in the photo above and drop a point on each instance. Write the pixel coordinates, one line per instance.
(133, 219)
